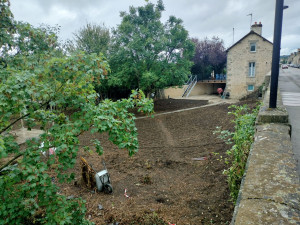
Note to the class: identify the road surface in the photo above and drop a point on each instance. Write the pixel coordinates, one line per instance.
(289, 84)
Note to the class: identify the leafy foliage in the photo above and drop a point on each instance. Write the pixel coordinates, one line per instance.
(91, 38)
(27, 40)
(54, 93)
(147, 54)
(6, 21)
(242, 139)
(210, 55)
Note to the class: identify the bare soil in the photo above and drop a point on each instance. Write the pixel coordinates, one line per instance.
(164, 182)
(166, 105)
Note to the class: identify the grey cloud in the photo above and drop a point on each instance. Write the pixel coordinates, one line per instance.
(202, 18)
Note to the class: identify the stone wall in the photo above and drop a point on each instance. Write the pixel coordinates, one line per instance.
(270, 190)
(238, 59)
(173, 92)
(206, 88)
(199, 89)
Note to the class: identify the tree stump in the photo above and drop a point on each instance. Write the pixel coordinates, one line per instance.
(88, 174)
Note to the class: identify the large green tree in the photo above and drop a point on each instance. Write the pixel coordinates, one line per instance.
(147, 54)
(37, 86)
(92, 38)
(21, 38)
(6, 21)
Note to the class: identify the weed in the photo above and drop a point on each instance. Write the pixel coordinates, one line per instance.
(148, 165)
(146, 179)
(242, 139)
(149, 219)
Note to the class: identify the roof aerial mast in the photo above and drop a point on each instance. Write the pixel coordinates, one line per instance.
(250, 19)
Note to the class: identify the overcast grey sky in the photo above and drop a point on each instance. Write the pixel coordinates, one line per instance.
(202, 18)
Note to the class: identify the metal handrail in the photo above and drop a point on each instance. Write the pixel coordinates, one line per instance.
(191, 83)
(188, 82)
(194, 82)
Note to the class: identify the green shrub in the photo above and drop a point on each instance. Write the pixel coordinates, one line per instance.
(242, 139)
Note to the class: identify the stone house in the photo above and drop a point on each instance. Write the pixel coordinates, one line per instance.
(294, 58)
(248, 62)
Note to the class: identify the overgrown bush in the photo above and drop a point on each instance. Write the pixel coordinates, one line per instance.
(54, 93)
(242, 139)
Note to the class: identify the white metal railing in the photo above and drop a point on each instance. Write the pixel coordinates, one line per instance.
(187, 83)
(191, 84)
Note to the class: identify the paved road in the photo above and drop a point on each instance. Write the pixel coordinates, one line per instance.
(289, 84)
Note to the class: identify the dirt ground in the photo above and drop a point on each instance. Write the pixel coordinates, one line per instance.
(164, 182)
(165, 105)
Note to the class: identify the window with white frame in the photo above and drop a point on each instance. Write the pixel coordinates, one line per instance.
(252, 47)
(251, 87)
(251, 69)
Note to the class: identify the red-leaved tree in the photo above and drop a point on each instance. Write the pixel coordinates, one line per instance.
(210, 54)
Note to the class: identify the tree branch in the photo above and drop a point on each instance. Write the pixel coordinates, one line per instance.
(22, 117)
(22, 153)
(12, 160)
(10, 125)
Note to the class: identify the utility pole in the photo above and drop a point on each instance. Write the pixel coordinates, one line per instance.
(276, 52)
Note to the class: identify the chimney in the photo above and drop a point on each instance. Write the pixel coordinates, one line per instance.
(257, 28)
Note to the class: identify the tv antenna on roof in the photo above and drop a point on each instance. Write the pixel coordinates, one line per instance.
(250, 19)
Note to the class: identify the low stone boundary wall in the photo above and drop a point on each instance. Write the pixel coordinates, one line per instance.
(270, 190)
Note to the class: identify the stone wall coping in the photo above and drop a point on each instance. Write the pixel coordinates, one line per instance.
(268, 115)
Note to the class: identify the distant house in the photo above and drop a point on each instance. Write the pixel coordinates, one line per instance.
(248, 61)
(294, 58)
